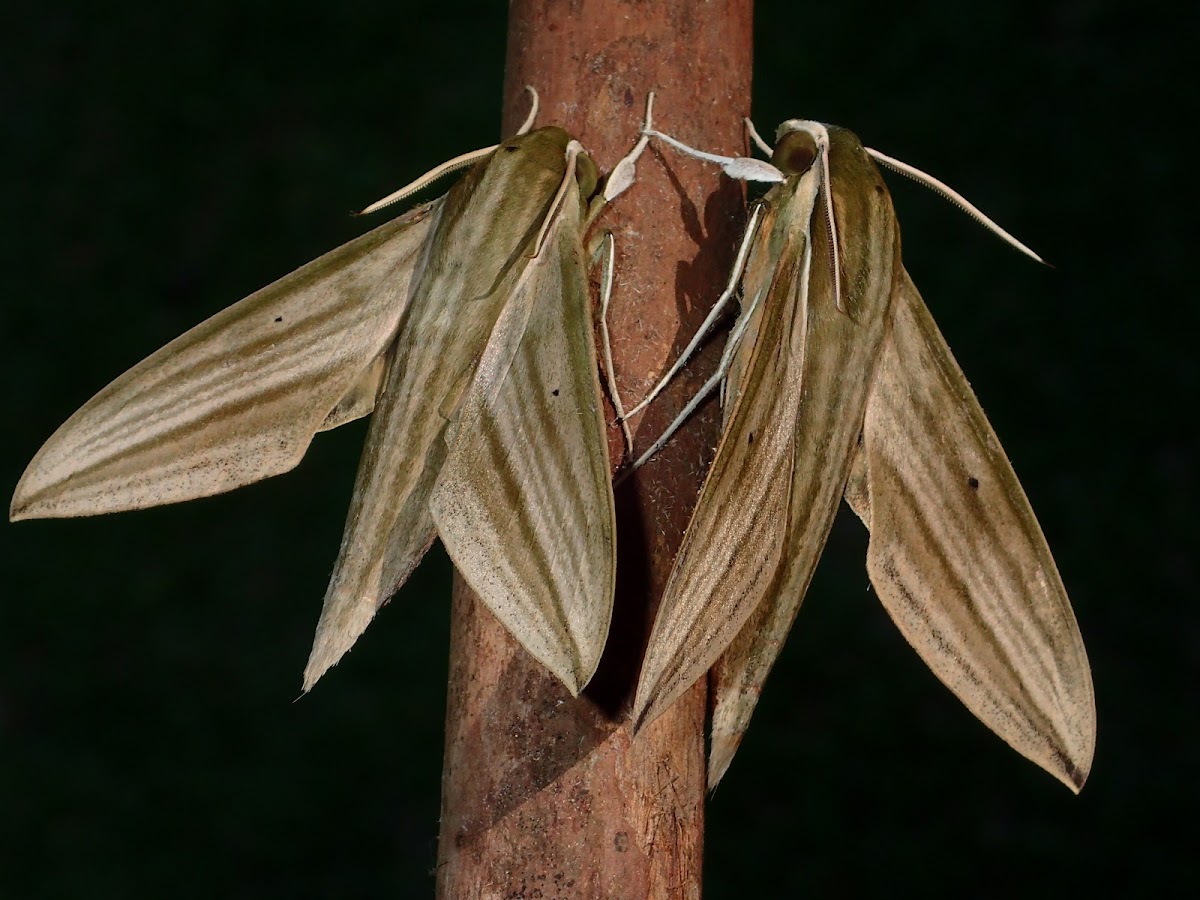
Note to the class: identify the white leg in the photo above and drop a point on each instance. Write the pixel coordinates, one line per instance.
(831, 222)
(757, 138)
(574, 148)
(717, 378)
(606, 253)
(743, 168)
(622, 174)
(718, 308)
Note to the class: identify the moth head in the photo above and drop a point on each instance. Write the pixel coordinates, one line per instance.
(798, 143)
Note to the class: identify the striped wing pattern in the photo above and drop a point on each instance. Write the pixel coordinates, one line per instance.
(958, 558)
(839, 360)
(734, 543)
(478, 256)
(524, 503)
(239, 397)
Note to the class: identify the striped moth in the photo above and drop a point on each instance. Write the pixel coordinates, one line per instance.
(836, 382)
(465, 326)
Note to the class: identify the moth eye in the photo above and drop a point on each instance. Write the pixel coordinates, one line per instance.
(795, 153)
(586, 175)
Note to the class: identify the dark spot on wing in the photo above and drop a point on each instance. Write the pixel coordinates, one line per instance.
(973, 483)
(879, 188)
(511, 148)
(555, 392)
(279, 318)
(750, 441)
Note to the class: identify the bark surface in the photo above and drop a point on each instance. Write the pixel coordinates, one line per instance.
(544, 795)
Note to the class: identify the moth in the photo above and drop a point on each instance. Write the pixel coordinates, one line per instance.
(465, 326)
(836, 382)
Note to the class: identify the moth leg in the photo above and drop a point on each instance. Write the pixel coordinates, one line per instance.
(605, 254)
(622, 175)
(533, 111)
(574, 148)
(714, 314)
(743, 168)
(757, 138)
(717, 379)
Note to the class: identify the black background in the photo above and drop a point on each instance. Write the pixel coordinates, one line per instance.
(161, 163)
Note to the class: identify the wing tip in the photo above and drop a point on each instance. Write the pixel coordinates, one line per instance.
(720, 754)
(326, 653)
(20, 509)
(1077, 778)
(336, 635)
(648, 705)
(571, 669)
(28, 500)
(1073, 768)
(313, 671)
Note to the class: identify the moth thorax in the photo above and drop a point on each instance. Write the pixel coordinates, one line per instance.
(795, 153)
(586, 176)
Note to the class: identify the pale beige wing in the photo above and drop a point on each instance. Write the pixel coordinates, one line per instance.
(840, 356)
(735, 542)
(524, 503)
(240, 396)
(487, 224)
(958, 558)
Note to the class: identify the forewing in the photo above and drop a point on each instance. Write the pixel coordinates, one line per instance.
(524, 503)
(240, 396)
(840, 355)
(958, 558)
(735, 541)
(487, 224)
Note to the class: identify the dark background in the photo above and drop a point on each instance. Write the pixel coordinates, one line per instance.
(159, 164)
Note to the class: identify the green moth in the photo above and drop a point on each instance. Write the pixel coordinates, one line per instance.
(836, 382)
(465, 326)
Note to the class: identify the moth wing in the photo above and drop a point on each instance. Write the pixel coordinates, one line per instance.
(524, 503)
(359, 401)
(239, 397)
(476, 258)
(958, 558)
(736, 540)
(837, 357)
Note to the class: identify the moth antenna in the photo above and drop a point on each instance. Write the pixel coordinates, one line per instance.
(533, 111)
(954, 197)
(452, 165)
(757, 138)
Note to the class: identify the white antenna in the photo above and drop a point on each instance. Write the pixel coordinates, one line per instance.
(954, 197)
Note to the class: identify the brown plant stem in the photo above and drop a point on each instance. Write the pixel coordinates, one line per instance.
(544, 795)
